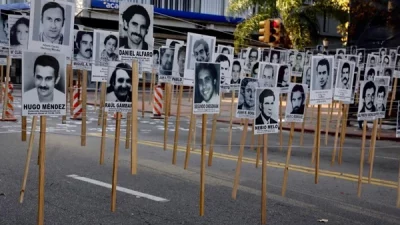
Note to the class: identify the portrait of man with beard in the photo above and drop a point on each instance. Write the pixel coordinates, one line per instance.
(368, 98)
(167, 58)
(136, 23)
(345, 76)
(120, 83)
(297, 99)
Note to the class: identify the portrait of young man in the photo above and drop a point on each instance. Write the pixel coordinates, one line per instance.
(267, 75)
(47, 74)
(386, 61)
(298, 64)
(361, 56)
(156, 57)
(252, 57)
(119, 83)
(345, 76)
(307, 76)
(236, 72)
(166, 61)
(248, 88)
(83, 46)
(372, 61)
(207, 89)
(368, 97)
(227, 50)
(370, 75)
(322, 77)
(52, 23)
(275, 56)
(225, 65)
(181, 58)
(110, 45)
(380, 102)
(137, 26)
(297, 99)
(267, 106)
(265, 54)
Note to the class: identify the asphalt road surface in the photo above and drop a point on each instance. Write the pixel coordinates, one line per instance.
(77, 189)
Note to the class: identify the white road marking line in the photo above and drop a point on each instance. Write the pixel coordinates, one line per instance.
(121, 189)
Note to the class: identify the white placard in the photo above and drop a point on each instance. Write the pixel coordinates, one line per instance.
(344, 81)
(83, 51)
(321, 90)
(267, 106)
(19, 34)
(268, 75)
(178, 69)
(3, 56)
(237, 74)
(283, 78)
(172, 43)
(43, 84)
(136, 33)
(105, 50)
(247, 98)
(295, 104)
(4, 31)
(298, 64)
(224, 49)
(166, 63)
(225, 62)
(206, 93)
(119, 88)
(52, 25)
(366, 104)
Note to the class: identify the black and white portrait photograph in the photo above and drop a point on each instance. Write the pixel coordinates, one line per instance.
(206, 94)
(267, 111)
(237, 74)
(353, 50)
(306, 78)
(340, 55)
(361, 53)
(386, 61)
(307, 58)
(352, 58)
(105, 49)
(43, 84)
(247, 98)
(268, 75)
(225, 49)
(297, 64)
(398, 115)
(370, 73)
(119, 88)
(275, 56)
(344, 81)
(136, 33)
(171, 43)
(166, 63)
(200, 48)
(392, 54)
(4, 31)
(366, 104)
(253, 56)
(83, 51)
(243, 53)
(156, 58)
(387, 72)
(383, 52)
(265, 52)
(178, 67)
(319, 48)
(382, 81)
(397, 67)
(19, 34)
(283, 78)
(52, 25)
(321, 91)
(295, 104)
(225, 62)
(372, 60)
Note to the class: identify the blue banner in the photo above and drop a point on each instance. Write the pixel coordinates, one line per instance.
(109, 4)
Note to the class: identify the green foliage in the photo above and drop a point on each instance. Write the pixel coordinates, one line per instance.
(300, 21)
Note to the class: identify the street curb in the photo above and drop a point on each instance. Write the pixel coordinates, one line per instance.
(306, 130)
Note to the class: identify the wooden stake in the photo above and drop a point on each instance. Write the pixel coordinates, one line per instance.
(398, 189)
(372, 150)
(240, 157)
(343, 132)
(95, 96)
(280, 121)
(177, 124)
(103, 138)
(134, 126)
(190, 94)
(128, 130)
(289, 152)
(5, 97)
(23, 128)
(71, 89)
(1, 83)
(336, 133)
(360, 175)
(203, 163)
(152, 86)
(84, 99)
(28, 159)
(212, 139)
(314, 145)
(143, 93)
(317, 152)
(231, 122)
(304, 120)
(330, 106)
(380, 129)
(260, 139)
(252, 138)
(393, 96)
(102, 101)
(264, 181)
(166, 114)
(42, 156)
(192, 126)
(115, 162)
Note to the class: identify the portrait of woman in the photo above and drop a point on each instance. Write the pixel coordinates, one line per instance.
(19, 33)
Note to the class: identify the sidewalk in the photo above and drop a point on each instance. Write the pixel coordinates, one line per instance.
(387, 131)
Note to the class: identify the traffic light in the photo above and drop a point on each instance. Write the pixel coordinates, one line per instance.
(264, 31)
(274, 31)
